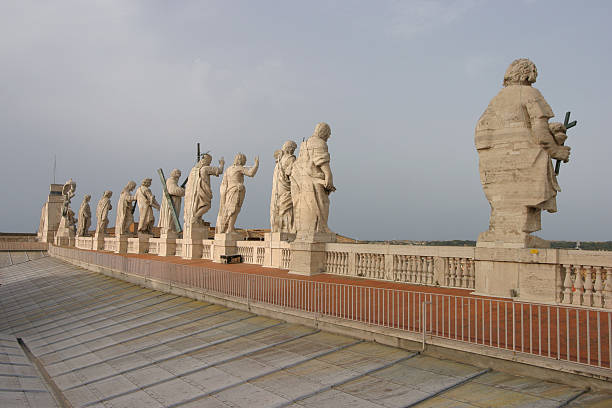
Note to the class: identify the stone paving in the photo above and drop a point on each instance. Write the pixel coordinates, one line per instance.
(101, 342)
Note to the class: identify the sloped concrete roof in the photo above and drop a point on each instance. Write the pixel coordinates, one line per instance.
(100, 342)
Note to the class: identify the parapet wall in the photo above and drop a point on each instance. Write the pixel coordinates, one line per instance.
(552, 276)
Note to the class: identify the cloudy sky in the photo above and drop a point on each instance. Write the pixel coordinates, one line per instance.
(116, 89)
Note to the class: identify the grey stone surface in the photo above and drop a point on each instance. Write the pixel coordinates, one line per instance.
(107, 343)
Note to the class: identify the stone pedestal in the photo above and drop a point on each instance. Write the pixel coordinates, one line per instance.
(529, 274)
(139, 245)
(192, 242)
(225, 244)
(65, 235)
(167, 243)
(490, 239)
(272, 257)
(121, 244)
(98, 242)
(308, 253)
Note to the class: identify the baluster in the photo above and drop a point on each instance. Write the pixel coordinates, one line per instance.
(422, 270)
(430, 274)
(460, 271)
(607, 291)
(598, 295)
(568, 284)
(411, 269)
(465, 279)
(405, 268)
(578, 287)
(453, 271)
(587, 298)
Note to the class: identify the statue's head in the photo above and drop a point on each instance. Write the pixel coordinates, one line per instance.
(147, 182)
(289, 146)
(521, 72)
(130, 186)
(556, 127)
(175, 174)
(240, 159)
(322, 131)
(277, 154)
(107, 194)
(206, 159)
(87, 197)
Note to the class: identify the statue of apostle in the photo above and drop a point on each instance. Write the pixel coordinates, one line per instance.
(198, 194)
(84, 219)
(166, 219)
(281, 204)
(104, 206)
(146, 202)
(232, 193)
(312, 183)
(125, 210)
(515, 146)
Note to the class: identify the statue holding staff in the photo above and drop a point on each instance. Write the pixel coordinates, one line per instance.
(198, 194)
(515, 145)
(176, 193)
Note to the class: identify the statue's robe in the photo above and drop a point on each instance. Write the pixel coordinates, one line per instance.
(125, 215)
(102, 210)
(198, 193)
(310, 199)
(166, 219)
(515, 169)
(281, 206)
(232, 193)
(146, 202)
(84, 219)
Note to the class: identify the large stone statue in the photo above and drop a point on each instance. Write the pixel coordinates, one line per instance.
(125, 210)
(68, 191)
(102, 210)
(198, 194)
(166, 219)
(312, 183)
(515, 146)
(232, 193)
(84, 219)
(146, 202)
(281, 204)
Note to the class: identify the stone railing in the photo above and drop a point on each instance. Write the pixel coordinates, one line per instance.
(154, 246)
(84, 242)
(23, 246)
(110, 244)
(443, 266)
(252, 252)
(207, 249)
(585, 279)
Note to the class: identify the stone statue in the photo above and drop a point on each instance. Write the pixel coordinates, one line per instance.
(312, 183)
(515, 145)
(68, 191)
(66, 229)
(281, 204)
(166, 220)
(104, 206)
(146, 202)
(84, 219)
(232, 193)
(125, 211)
(198, 194)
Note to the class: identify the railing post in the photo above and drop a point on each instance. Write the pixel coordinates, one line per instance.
(424, 319)
(248, 292)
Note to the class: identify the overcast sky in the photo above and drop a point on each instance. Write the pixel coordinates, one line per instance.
(117, 89)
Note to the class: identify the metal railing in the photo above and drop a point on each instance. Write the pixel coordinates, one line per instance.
(566, 333)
